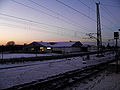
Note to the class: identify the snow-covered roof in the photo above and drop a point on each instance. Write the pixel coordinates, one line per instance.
(85, 45)
(47, 44)
(58, 44)
(63, 44)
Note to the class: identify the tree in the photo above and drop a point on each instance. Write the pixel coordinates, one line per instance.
(10, 43)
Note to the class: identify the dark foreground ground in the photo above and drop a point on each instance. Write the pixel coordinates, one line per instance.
(105, 80)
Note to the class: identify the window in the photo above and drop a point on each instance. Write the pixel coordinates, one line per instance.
(41, 49)
(49, 48)
(32, 49)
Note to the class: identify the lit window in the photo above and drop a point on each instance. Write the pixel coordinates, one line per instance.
(48, 47)
(41, 49)
(32, 49)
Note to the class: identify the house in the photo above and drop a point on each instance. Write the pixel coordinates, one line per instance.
(59, 47)
(67, 47)
(86, 48)
(92, 48)
(39, 47)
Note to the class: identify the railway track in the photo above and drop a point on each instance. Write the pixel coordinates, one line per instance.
(63, 80)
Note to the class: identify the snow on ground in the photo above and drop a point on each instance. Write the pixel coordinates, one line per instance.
(42, 69)
(19, 55)
(102, 81)
(110, 82)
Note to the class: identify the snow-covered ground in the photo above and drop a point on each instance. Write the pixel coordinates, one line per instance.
(19, 55)
(103, 81)
(31, 71)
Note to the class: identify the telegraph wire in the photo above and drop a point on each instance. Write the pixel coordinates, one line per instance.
(108, 12)
(82, 14)
(31, 21)
(76, 10)
(35, 29)
(43, 24)
(52, 15)
(43, 12)
(56, 13)
(34, 9)
(111, 5)
(94, 10)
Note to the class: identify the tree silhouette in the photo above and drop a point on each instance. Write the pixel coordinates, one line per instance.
(10, 43)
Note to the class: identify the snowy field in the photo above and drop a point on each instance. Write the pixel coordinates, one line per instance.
(31, 71)
(17, 55)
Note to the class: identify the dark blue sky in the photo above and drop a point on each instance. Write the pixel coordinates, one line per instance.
(48, 20)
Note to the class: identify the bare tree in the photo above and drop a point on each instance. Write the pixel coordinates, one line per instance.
(10, 43)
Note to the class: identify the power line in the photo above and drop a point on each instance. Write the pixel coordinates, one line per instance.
(38, 10)
(35, 29)
(76, 10)
(19, 18)
(82, 14)
(73, 22)
(93, 10)
(43, 12)
(38, 22)
(86, 5)
(108, 12)
(34, 9)
(49, 14)
(111, 5)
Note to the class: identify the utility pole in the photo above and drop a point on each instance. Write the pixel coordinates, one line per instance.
(99, 38)
(116, 36)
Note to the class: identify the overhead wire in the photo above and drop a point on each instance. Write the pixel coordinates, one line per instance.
(94, 10)
(46, 13)
(76, 10)
(31, 21)
(38, 4)
(111, 5)
(108, 12)
(82, 14)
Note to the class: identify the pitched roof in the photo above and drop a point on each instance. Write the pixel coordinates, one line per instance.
(47, 44)
(58, 44)
(63, 44)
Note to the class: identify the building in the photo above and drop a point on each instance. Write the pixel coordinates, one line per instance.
(39, 47)
(67, 47)
(86, 48)
(58, 47)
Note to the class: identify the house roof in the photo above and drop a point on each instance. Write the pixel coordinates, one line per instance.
(47, 44)
(63, 44)
(58, 44)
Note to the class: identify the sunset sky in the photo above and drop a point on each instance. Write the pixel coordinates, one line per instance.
(24, 21)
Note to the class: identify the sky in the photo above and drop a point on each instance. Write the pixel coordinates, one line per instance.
(24, 21)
